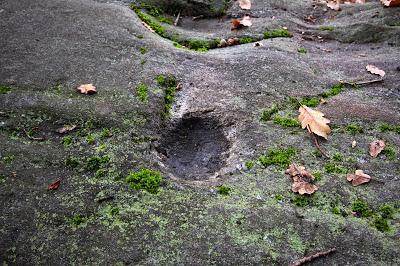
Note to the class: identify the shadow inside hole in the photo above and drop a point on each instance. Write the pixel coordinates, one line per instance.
(195, 148)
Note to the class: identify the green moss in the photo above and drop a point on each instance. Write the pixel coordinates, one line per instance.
(142, 61)
(267, 113)
(361, 209)
(249, 164)
(66, 141)
(302, 50)
(4, 89)
(156, 12)
(95, 162)
(277, 157)
(317, 175)
(72, 162)
(78, 221)
(327, 28)
(246, 39)
(317, 153)
(286, 121)
(145, 179)
(387, 211)
(178, 45)
(384, 127)
(337, 157)
(143, 50)
(277, 33)
(170, 88)
(335, 90)
(335, 168)
(8, 159)
(300, 200)
(223, 190)
(310, 102)
(2, 178)
(279, 197)
(90, 139)
(201, 45)
(353, 129)
(100, 173)
(389, 152)
(381, 224)
(105, 133)
(152, 24)
(142, 92)
(335, 210)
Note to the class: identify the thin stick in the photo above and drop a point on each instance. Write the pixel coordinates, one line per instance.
(30, 137)
(198, 17)
(360, 82)
(316, 142)
(312, 257)
(177, 19)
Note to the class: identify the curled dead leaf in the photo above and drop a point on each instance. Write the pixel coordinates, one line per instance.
(55, 185)
(303, 181)
(375, 70)
(376, 147)
(87, 89)
(358, 178)
(314, 121)
(245, 4)
(391, 2)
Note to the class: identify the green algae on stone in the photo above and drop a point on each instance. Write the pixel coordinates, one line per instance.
(277, 157)
(267, 113)
(300, 200)
(95, 162)
(72, 162)
(327, 28)
(302, 50)
(249, 164)
(145, 179)
(334, 90)
(143, 50)
(387, 211)
(169, 83)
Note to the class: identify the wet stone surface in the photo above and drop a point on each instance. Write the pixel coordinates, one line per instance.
(195, 148)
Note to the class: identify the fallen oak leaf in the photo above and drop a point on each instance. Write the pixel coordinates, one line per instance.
(303, 181)
(87, 89)
(391, 2)
(358, 178)
(376, 147)
(314, 121)
(245, 4)
(239, 23)
(54, 186)
(375, 70)
(65, 129)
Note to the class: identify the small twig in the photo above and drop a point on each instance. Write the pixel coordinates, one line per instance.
(356, 83)
(30, 137)
(198, 17)
(177, 19)
(312, 257)
(316, 142)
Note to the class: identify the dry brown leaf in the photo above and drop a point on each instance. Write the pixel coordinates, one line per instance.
(87, 89)
(314, 121)
(65, 129)
(322, 100)
(303, 181)
(239, 23)
(358, 178)
(391, 2)
(245, 4)
(374, 70)
(376, 147)
(335, 4)
(55, 185)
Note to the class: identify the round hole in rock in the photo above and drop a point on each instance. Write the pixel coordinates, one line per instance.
(195, 148)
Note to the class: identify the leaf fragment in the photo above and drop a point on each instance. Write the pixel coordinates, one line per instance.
(358, 178)
(376, 147)
(245, 4)
(375, 70)
(87, 89)
(65, 129)
(303, 181)
(314, 121)
(54, 186)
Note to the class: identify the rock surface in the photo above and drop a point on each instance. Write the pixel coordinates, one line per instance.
(50, 47)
